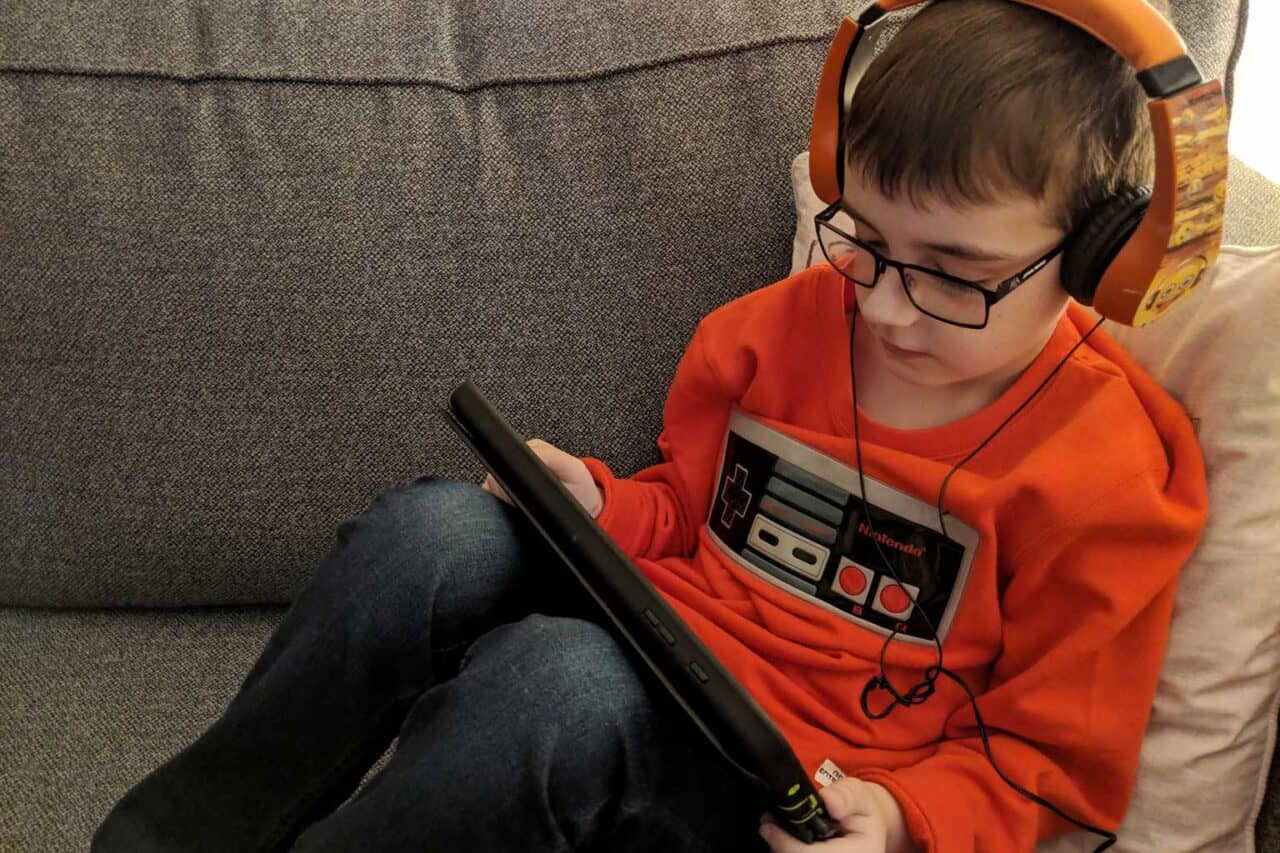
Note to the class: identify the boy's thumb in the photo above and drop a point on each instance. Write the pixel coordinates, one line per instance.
(834, 801)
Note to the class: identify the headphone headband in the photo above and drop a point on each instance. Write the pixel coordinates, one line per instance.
(1137, 277)
(1132, 28)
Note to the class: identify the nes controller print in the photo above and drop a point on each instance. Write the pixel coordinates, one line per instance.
(793, 516)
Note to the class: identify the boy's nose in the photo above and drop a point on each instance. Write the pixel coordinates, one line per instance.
(887, 303)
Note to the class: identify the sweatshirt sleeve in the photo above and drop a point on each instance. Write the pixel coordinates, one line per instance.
(657, 511)
(1087, 615)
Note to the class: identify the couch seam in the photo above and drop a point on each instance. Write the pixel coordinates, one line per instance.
(432, 82)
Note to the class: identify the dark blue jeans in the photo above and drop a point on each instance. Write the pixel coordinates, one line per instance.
(441, 616)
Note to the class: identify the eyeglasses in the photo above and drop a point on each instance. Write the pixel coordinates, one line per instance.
(933, 292)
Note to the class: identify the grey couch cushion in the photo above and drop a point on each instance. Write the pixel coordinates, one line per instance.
(94, 700)
(251, 250)
(236, 303)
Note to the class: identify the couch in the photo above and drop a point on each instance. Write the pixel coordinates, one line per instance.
(247, 249)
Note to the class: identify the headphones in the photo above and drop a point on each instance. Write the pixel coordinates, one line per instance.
(1136, 254)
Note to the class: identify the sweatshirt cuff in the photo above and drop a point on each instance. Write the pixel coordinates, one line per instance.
(615, 493)
(918, 826)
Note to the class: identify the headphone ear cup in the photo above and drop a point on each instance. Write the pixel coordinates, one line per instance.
(1099, 239)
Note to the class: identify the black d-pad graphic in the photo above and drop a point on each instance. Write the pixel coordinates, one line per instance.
(735, 496)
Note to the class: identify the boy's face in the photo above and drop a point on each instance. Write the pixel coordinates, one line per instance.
(979, 361)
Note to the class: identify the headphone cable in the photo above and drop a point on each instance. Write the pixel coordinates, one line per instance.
(924, 689)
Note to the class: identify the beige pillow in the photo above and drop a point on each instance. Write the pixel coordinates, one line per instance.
(1203, 768)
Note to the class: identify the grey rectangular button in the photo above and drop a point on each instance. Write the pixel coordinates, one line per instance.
(797, 520)
(810, 503)
(698, 672)
(812, 482)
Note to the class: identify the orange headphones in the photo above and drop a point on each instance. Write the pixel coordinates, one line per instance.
(1139, 252)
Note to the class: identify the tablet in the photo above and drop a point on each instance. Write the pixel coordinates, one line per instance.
(714, 700)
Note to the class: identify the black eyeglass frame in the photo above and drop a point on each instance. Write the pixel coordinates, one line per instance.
(989, 297)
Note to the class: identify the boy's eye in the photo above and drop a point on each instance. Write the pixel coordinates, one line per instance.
(975, 277)
(953, 285)
(981, 278)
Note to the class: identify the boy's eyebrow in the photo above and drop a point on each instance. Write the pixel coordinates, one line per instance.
(956, 250)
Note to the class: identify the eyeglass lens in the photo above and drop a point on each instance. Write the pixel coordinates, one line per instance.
(944, 299)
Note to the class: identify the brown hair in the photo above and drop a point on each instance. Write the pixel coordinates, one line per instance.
(975, 100)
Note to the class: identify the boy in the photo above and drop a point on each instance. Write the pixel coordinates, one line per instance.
(983, 125)
(975, 143)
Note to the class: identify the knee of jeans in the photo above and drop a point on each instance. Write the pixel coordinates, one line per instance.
(582, 717)
(578, 674)
(430, 523)
(429, 511)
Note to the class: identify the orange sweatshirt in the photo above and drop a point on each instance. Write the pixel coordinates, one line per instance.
(1083, 509)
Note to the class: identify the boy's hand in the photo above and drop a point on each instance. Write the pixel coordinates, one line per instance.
(868, 813)
(571, 470)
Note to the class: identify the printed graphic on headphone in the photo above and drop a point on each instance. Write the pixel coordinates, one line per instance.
(1200, 145)
(793, 516)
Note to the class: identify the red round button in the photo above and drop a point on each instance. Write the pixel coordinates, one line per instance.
(894, 599)
(853, 581)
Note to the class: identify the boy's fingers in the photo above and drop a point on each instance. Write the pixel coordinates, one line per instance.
(835, 801)
(491, 486)
(849, 796)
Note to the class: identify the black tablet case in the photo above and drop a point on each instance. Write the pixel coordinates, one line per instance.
(697, 680)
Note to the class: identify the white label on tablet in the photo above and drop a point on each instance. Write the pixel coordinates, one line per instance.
(828, 773)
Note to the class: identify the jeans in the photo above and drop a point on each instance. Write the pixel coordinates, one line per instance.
(442, 617)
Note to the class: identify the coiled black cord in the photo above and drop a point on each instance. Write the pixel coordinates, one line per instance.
(924, 689)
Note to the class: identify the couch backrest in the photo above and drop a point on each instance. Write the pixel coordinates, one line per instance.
(247, 250)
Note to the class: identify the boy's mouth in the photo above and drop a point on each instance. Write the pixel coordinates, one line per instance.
(899, 352)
